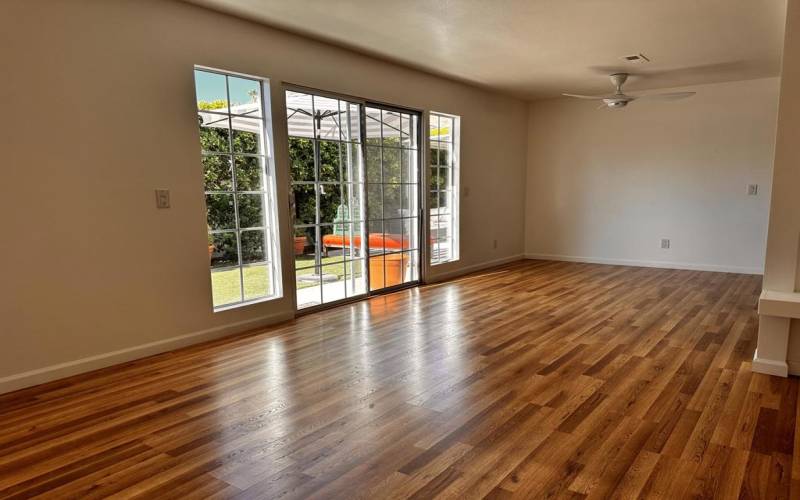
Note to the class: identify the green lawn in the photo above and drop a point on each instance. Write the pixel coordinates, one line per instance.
(226, 284)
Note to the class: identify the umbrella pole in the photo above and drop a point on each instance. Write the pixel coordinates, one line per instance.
(318, 186)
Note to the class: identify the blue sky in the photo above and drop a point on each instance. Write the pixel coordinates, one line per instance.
(211, 87)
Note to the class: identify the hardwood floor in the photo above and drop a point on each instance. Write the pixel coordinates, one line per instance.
(538, 379)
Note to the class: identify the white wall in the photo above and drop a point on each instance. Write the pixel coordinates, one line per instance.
(607, 185)
(98, 111)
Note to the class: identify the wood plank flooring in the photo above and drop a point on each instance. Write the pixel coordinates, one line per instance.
(534, 380)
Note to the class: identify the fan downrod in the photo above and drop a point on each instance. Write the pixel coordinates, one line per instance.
(618, 79)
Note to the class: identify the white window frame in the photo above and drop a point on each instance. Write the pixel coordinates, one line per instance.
(268, 191)
(454, 188)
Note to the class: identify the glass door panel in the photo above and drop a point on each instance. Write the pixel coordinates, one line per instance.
(327, 181)
(392, 196)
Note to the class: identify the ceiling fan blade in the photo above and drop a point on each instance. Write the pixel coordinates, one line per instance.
(670, 96)
(592, 97)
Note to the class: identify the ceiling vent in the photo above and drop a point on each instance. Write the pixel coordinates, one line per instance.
(635, 58)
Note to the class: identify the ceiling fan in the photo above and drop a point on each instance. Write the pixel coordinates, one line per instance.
(620, 100)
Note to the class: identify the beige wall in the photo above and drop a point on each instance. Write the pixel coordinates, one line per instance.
(607, 185)
(98, 111)
(781, 268)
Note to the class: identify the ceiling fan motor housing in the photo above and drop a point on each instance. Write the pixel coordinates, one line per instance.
(618, 79)
(616, 103)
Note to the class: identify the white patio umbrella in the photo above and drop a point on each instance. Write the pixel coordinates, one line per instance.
(331, 119)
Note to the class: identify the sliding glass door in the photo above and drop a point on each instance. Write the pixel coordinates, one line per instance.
(392, 153)
(355, 194)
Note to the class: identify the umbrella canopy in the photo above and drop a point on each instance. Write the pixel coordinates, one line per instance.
(317, 117)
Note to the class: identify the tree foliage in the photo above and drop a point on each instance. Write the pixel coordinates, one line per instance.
(229, 169)
(226, 152)
(386, 168)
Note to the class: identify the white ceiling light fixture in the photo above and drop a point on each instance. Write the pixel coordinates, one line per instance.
(619, 99)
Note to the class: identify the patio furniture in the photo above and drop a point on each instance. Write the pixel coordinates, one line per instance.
(377, 243)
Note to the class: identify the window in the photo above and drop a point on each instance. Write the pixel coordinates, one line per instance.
(238, 172)
(443, 198)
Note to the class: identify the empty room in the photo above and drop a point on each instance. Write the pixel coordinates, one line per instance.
(426, 249)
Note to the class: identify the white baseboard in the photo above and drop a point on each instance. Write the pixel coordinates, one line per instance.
(446, 275)
(54, 372)
(649, 263)
(62, 370)
(794, 367)
(770, 366)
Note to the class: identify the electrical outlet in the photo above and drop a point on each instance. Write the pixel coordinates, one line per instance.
(752, 189)
(665, 243)
(162, 198)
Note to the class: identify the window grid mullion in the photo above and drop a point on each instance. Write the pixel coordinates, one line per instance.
(266, 176)
(235, 195)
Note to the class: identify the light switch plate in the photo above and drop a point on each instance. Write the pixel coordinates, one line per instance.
(162, 198)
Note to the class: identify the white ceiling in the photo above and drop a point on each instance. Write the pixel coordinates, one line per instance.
(539, 48)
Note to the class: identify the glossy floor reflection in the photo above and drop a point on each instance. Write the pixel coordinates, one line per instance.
(538, 379)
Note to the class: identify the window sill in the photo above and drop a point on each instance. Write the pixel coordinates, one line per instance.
(439, 263)
(237, 305)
